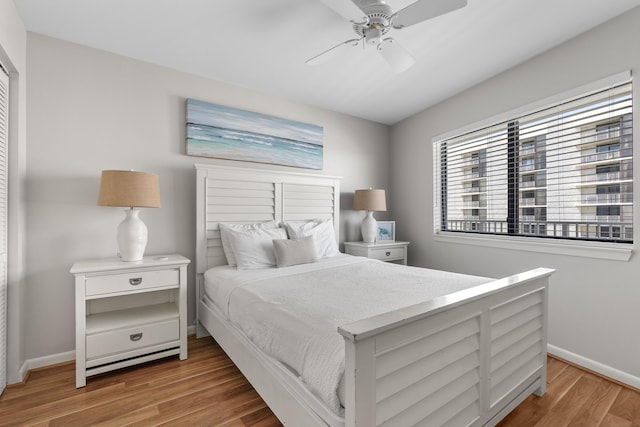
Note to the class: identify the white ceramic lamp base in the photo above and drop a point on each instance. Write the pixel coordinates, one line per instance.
(369, 228)
(132, 236)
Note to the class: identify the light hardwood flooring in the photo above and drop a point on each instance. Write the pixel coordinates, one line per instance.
(208, 390)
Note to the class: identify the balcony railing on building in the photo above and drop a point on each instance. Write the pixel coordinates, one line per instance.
(607, 199)
(599, 157)
(472, 175)
(608, 176)
(600, 227)
(477, 225)
(596, 135)
(471, 189)
(602, 218)
(527, 167)
(471, 205)
(528, 202)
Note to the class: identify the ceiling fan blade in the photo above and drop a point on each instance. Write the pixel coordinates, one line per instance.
(347, 8)
(425, 9)
(331, 52)
(397, 56)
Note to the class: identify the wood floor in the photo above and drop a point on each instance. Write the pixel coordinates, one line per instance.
(208, 390)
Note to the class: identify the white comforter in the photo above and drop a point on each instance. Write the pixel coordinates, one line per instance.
(293, 313)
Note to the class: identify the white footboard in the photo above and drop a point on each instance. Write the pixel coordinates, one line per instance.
(466, 359)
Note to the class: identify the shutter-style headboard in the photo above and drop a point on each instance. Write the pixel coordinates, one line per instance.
(233, 194)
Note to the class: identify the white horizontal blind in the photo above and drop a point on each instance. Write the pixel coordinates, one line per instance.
(562, 172)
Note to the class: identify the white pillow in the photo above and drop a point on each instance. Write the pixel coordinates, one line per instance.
(254, 248)
(290, 252)
(296, 229)
(224, 236)
(324, 236)
(297, 226)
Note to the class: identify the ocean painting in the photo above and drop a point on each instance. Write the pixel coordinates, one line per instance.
(229, 133)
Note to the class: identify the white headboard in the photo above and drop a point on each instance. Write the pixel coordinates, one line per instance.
(233, 194)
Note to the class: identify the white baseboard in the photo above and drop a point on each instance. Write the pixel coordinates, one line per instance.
(67, 356)
(594, 366)
(52, 359)
(22, 373)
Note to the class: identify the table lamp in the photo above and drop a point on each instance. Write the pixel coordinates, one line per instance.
(369, 200)
(134, 190)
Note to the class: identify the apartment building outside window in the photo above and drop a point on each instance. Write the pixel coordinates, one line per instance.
(561, 172)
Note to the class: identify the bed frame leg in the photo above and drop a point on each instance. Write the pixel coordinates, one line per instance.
(540, 391)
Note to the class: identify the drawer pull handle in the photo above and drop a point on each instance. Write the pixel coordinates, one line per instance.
(388, 253)
(136, 337)
(135, 281)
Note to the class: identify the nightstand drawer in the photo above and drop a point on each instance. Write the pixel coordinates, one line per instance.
(386, 253)
(132, 338)
(133, 281)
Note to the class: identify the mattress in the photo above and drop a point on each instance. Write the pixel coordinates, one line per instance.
(292, 314)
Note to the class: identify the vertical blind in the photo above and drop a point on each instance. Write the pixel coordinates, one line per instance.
(4, 162)
(565, 172)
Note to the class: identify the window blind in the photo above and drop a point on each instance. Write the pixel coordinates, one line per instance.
(565, 172)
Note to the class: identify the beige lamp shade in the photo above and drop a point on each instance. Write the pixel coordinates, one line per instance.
(369, 200)
(133, 190)
(129, 189)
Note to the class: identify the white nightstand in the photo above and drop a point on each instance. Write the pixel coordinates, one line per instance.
(129, 312)
(384, 251)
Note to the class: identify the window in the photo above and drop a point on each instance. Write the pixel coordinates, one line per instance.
(608, 211)
(610, 232)
(607, 148)
(562, 172)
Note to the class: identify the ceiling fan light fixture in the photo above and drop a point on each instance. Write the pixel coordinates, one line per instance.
(396, 56)
(373, 36)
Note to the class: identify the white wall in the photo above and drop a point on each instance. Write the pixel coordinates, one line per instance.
(90, 110)
(594, 312)
(13, 56)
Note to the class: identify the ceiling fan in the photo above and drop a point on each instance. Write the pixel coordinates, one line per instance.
(373, 19)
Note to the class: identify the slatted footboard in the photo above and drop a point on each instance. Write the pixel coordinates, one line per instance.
(466, 359)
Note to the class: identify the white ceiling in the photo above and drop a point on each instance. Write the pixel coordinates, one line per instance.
(263, 44)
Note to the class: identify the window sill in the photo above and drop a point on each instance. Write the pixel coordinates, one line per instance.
(600, 250)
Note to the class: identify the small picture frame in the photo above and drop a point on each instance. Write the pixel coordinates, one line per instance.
(386, 231)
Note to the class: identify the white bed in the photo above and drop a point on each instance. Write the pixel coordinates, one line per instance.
(467, 357)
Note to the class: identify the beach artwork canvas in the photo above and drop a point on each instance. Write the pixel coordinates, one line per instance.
(229, 133)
